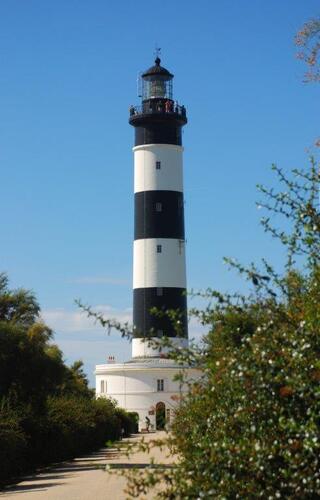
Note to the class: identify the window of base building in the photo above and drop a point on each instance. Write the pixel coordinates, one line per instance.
(160, 384)
(103, 386)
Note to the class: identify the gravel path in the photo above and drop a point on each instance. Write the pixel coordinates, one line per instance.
(85, 477)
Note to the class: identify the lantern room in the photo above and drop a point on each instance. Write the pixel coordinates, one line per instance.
(156, 83)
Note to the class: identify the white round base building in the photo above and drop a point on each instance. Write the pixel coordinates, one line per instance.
(146, 387)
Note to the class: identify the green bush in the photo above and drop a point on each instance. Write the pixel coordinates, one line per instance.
(128, 421)
(47, 411)
(250, 427)
(13, 442)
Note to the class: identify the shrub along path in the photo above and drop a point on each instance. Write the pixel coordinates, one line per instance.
(85, 478)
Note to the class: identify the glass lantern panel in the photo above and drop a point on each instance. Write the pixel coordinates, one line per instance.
(156, 88)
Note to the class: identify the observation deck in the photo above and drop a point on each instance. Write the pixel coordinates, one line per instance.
(157, 110)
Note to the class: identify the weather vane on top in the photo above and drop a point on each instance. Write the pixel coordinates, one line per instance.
(157, 52)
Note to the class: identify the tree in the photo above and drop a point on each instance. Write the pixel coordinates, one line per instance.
(24, 339)
(249, 427)
(47, 410)
(308, 41)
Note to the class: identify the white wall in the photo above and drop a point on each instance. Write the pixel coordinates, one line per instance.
(165, 269)
(148, 178)
(136, 389)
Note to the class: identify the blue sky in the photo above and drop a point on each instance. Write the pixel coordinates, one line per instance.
(68, 75)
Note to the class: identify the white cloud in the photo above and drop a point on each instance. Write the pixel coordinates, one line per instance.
(99, 280)
(76, 321)
(80, 338)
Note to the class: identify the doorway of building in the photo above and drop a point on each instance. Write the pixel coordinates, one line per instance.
(160, 415)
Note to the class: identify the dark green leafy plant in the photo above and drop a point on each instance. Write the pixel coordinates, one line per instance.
(47, 410)
(249, 426)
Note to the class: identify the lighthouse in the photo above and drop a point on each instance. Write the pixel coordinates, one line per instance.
(147, 384)
(159, 266)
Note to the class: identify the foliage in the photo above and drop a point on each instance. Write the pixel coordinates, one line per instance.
(47, 410)
(308, 41)
(128, 420)
(12, 439)
(249, 427)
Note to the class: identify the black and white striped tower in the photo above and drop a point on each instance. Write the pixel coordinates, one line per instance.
(159, 269)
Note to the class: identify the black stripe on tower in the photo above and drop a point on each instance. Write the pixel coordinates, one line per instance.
(158, 133)
(148, 323)
(158, 214)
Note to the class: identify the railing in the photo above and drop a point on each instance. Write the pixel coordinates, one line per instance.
(163, 107)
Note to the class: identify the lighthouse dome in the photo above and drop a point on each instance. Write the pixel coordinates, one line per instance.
(157, 71)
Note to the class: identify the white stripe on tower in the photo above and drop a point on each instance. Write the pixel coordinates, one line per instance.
(170, 174)
(159, 269)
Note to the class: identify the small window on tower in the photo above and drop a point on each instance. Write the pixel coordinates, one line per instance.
(159, 248)
(180, 246)
(159, 206)
(102, 386)
(158, 165)
(159, 292)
